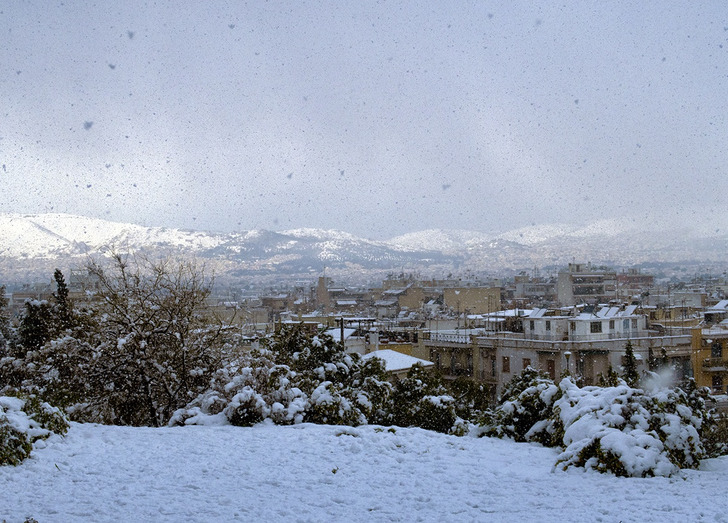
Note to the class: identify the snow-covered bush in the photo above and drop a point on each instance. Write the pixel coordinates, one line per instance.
(371, 391)
(247, 390)
(294, 378)
(524, 409)
(153, 333)
(714, 435)
(62, 372)
(626, 431)
(421, 400)
(142, 350)
(327, 405)
(714, 425)
(472, 398)
(246, 408)
(22, 423)
(617, 429)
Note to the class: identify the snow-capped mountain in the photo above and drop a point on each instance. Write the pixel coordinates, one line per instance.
(54, 235)
(37, 243)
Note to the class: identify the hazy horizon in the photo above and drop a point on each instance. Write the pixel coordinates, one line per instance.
(377, 120)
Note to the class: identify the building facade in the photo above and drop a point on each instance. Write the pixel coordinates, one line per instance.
(586, 344)
(710, 349)
(582, 283)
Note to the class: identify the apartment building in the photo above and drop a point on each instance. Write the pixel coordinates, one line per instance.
(586, 341)
(580, 283)
(710, 349)
(472, 300)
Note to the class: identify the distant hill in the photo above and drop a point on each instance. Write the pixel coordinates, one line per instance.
(31, 245)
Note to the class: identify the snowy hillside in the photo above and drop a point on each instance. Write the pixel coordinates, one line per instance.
(32, 245)
(48, 235)
(325, 473)
(442, 240)
(320, 234)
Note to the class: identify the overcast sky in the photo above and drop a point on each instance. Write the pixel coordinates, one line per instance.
(374, 118)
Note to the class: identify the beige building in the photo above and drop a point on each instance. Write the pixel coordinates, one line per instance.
(587, 343)
(412, 298)
(472, 300)
(710, 349)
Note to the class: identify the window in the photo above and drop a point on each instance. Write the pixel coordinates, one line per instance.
(572, 326)
(492, 366)
(716, 350)
(435, 358)
(526, 363)
(611, 325)
(580, 365)
(634, 323)
(506, 364)
(548, 325)
(531, 325)
(717, 382)
(596, 327)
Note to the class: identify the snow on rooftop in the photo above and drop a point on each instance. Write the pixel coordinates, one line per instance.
(385, 303)
(511, 313)
(537, 313)
(629, 311)
(396, 361)
(718, 307)
(611, 312)
(335, 333)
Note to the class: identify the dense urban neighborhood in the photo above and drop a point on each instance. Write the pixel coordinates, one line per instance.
(578, 320)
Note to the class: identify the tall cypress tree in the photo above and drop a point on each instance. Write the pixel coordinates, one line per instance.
(35, 326)
(652, 361)
(63, 309)
(4, 320)
(630, 374)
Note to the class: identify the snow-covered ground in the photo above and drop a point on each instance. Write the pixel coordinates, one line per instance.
(324, 473)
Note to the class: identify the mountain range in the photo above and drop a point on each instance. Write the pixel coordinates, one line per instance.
(31, 245)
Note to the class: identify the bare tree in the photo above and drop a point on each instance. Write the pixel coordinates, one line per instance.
(155, 349)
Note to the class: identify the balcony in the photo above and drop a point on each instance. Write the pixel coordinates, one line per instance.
(595, 336)
(450, 338)
(675, 345)
(715, 365)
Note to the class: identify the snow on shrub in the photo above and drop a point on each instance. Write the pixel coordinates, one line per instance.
(246, 408)
(294, 378)
(371, 392)
(525, 409)
(626, 431)
(421, 400)
(620, 429)
(23, 422)
(298, 378)
(327, 405)
(247, 390)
